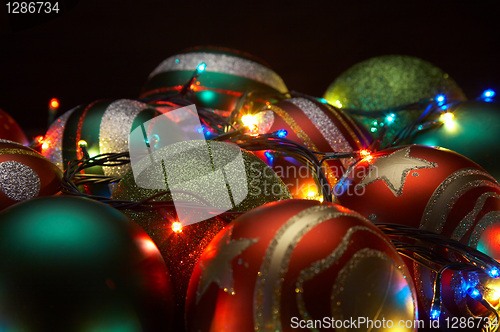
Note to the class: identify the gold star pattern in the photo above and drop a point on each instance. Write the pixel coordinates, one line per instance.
(219, 268)
(394, 168)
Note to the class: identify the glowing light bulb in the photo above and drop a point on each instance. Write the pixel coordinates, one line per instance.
(338, 103)
(435, 313)
(282, 133)
(494, 272)
(390, 118)
(201, 67)
(474, 293)
(366, 155)
(440, 99)
(489, 93)
(250, 121)
(54, 103)
(82, 143)
(373, 129)
(311, 194)
(447, 119)
(323, 100)
(177, 227)
(269, 155)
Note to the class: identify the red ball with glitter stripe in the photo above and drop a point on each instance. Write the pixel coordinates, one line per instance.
(433, 189)
(285, 263)
(318, 126)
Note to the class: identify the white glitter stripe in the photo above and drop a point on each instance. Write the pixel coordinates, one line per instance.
(323, 124)
(116, 124)
(222, 63)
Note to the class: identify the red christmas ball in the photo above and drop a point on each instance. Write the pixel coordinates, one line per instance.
(10, 130)
(436, 190)
(25, 174)
(318, 126)
(286, 264)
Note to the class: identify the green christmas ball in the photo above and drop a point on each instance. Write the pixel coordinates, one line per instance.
(73, 264)
(226, 76)
(473, 131)
(379, 85)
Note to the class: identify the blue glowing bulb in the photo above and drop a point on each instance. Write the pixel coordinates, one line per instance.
(323, 100)
(440, 99)
(282, 133)
(390, 118)
(268, 155)
(474, 293)
(494, 272)
(201, 67)
(488, 93)
(435, 313)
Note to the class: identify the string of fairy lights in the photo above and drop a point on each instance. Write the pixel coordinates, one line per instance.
(423, 247)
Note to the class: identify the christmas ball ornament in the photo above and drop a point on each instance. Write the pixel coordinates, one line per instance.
(25, 174)
(181, 244)
(378, 86)
(10, 130)
(222, 76)
(287, 265)
(103, 127)
(72, 264)
(472, 130)
(434, 189)
(319, 127)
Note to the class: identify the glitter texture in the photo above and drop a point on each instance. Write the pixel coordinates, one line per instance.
(381, 294)
(389, 81)
(181, 251)
(222, 63)
(466, 223)
(115, 127)
(321, 265)
(54, 138)
(325, 126)
(486, 221)
(393, 169)
(18, 181)
(447, 193)
(268, 285)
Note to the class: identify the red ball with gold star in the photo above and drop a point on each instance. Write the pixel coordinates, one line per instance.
(285, 263)
(433, 189)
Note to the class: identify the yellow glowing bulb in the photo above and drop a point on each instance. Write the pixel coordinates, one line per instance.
(338, 103)
(82, 143)
(54, 103)
(447, 117)
(311, 194)
(177, 227)
(249, 121)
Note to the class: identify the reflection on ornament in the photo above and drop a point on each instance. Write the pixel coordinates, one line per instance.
(302, 259)
(78, 265)
(470, 128)
(10, 130)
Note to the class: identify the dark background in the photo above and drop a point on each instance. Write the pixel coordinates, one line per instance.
(106, 48)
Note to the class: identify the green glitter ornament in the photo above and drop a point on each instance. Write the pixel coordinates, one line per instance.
(379, 86)
(181, 247)
(473, 131)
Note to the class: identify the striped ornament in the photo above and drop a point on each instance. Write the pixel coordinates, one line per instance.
(104, 125)
(433, 189)
(319, 127)
(293, 261)
(228, 75)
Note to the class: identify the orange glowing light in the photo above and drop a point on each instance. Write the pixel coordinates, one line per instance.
(54, 103)
(365, 155)
(177, 227)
